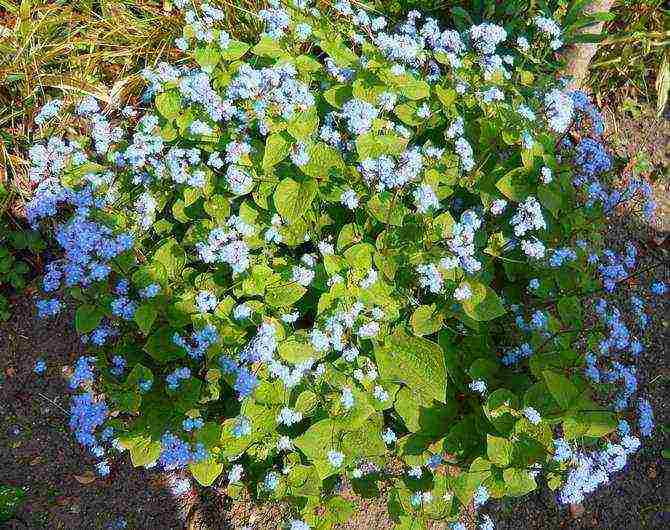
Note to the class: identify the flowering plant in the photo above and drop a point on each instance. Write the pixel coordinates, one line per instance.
(346, 247)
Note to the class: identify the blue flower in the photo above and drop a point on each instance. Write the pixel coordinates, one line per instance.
(646, 417)
(40, 366)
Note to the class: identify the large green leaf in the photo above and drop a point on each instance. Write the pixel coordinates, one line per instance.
(355, 417)
(234, 50)
(515, 185)
(144, 317)
(519, 482)
(426, 320)
(206, 472)
(339, 52)
(87, 318)
(415, 362)
(172, 256)
(295, 351)
(161, 347)
(168, 104)
(277, 148)
(284, 295)
(269, 47)
(322, 160)
(484, 304)
(292, 199)
(207, 57)
(303, 124)
(143, 450)
(499, 450)
(561, 388)
(370, 145)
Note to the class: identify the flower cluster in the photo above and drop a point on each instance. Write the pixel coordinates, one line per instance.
(279, 259)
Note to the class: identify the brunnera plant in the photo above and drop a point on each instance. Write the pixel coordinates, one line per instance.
(348, 251)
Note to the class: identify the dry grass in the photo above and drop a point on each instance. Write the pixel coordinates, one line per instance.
(635, 55)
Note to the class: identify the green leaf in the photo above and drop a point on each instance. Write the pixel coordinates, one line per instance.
(413, 88)
(425, 320)
(143, 450)
(150, 273)
(306, 64)
(561, 388)
(206, 472)
(388, 210)
(519, 482)
(144, 317)
(499, 407)
(277, 149)
(235, 50)
(218, 208)
(366, 441)
(268, 47)
(187, 395)
(415, 362)
(338, 95)
(370, 145)
(551, 200)
(304, 124)
(360, 256)
(428, 419)
(339, 52)
(315, 443)
(284, 295)
(294, 351)
(292, 199)
(355, 417)
(407, 113)
(514, 184)
(304, 481)
(307, 402)
(207, 57)
(447, 96)
(87, 318)
(161, 347)
(499, 450)
(484, 304)
(137, 374)
(168, 104)
(591, 420)
(322, 160)
(465, 483)
(172, 256)
(570, 311)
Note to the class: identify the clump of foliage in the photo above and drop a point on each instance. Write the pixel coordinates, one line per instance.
(11, 499)
(14, 243)
(349, 251)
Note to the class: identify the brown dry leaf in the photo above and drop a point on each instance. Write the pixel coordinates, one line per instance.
(652, 472)
(10, 372)
(63, 500)
(576, 510)
(67, 372)
(86, 478)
